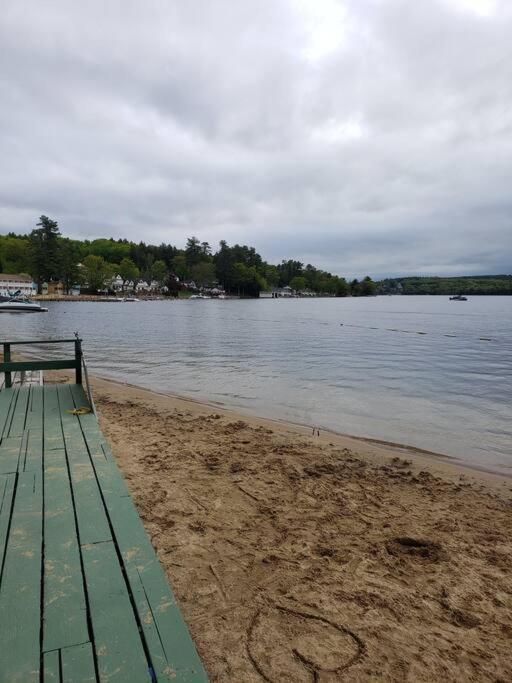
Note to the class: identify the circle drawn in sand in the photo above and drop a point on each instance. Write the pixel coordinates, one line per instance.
(290, 646)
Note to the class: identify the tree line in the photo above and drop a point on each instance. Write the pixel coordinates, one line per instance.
(48, 256)
(474, 284)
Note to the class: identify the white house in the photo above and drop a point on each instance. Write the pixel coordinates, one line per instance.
(12, 283)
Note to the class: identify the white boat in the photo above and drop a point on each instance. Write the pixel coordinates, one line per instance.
(16, 304)
(131, 298)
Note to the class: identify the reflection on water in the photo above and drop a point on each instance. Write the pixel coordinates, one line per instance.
(418, 370)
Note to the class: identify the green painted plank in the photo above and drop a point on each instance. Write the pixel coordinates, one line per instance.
(51, 667)
(173, 653)
(78, 664)
(64, 605)
(6, 397)
(7, 405)
(35, 409)
(7, 483)
(20, 616)
(93, 524)
(79, 396)
(53, 437)
(172, 650)
(32, 457)
(119, 650)
(10, 454)
(20, 413)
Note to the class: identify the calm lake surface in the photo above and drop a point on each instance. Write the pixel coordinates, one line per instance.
(358, 366)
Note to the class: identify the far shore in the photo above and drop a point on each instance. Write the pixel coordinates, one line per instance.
(297, 557)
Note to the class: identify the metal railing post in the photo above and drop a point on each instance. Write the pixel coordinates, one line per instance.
(7, 359)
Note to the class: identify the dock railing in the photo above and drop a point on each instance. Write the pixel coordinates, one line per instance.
(76, 363)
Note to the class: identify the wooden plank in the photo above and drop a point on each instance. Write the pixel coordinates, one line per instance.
(7, 483)
(119, 649)
(51, 667)
(78, 664)
(53, 437)
(173, 653)
(20, 586)
(171, 648)
(7, 404)
(64, 604)
(93, 524)
(10, 450)
(31, 458)
(35, 409)
(6, 397)
(20, 413)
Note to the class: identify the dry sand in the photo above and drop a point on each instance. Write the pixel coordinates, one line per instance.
(300, 558)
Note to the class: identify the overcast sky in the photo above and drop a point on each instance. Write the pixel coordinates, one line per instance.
(365, 136)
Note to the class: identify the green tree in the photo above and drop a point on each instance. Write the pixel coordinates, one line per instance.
(14, 254)
(44, 251)
(341, 286)
(367, 287)
(203, 274)
(247, 280)
(354, 287)
(288, 270)
(69, 257)
(110, 250)
(159, 272)
(96, 272)
(128, 271)
(271, 275)
(179, 266)
(195, 252)
(298, 283)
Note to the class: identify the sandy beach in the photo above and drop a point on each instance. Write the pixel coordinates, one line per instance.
(301, 558)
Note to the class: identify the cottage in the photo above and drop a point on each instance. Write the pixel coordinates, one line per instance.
(53, 288)
(13, 283)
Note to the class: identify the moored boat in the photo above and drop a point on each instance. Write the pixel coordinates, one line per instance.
(17, 304)
(458, 297)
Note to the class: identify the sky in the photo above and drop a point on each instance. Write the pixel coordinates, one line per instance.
(363, 136)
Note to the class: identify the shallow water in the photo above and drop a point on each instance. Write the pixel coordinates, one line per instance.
(423, 371)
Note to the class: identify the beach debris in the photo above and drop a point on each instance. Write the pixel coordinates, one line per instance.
(80, 411)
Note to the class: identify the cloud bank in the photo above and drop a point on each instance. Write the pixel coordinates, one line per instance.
(366, 136)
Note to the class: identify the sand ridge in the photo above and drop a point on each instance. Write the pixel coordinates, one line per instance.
(300, 559)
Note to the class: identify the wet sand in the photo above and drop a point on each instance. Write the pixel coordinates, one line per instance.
(301, 558)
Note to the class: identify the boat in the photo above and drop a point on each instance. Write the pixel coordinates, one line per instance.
(17, 304)
(131, 298)
(199, 296)
(458, 297)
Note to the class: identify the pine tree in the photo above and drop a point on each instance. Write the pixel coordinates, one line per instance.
(44, 252)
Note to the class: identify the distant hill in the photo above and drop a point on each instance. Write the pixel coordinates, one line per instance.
(472, 284)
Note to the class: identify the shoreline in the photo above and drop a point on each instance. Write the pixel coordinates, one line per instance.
(426, 456)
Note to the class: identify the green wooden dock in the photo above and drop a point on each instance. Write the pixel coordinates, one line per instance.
(82, 594)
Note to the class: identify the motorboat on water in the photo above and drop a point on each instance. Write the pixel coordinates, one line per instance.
(18, 304)
(458, 297)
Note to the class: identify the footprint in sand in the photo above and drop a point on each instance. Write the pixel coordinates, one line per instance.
(289, 646)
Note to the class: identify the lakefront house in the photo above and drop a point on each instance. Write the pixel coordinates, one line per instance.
(17, 282)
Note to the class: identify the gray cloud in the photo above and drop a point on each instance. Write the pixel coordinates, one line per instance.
(362, 136)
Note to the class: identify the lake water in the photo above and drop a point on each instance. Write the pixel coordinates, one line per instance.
(423, 371)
